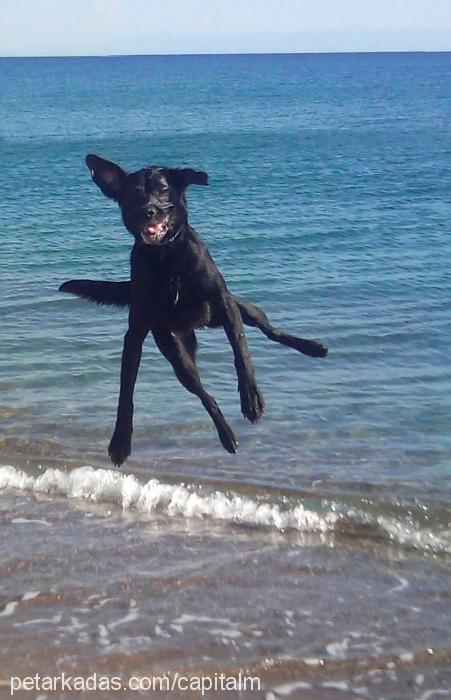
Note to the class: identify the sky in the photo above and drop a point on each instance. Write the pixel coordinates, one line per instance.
(105, 27)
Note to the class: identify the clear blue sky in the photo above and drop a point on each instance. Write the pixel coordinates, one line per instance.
(73, 27)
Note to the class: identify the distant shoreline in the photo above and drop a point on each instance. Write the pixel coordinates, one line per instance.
(238, 53)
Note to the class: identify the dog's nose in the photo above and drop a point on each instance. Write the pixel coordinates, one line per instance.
(150, 213)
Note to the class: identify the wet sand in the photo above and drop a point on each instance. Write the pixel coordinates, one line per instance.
(92, 588)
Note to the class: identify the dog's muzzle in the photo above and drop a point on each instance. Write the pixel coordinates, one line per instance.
(158, 233)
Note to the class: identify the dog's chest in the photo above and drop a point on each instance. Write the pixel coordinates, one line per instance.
(186, 305)
(170, 290)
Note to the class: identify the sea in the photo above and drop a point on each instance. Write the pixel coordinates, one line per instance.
(316, 559)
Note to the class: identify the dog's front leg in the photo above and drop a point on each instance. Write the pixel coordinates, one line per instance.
(252, 403)
(120, 446)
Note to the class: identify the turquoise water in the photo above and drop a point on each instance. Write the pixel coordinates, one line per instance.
(328, 205)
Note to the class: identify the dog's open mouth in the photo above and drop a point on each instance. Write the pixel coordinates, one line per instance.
(154, 232)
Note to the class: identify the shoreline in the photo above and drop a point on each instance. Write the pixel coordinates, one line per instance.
(90, 588)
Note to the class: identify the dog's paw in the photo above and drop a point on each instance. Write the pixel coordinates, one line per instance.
(252, 403)
(228, 439)
(312, 348)
(119, 448)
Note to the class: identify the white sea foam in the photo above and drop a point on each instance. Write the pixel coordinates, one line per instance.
(107, 486)
(27, 521)
(287, 689)
(9, 608)
(337, 650)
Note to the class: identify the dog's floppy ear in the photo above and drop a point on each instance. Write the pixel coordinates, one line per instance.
(188, 176)
(108, 176)
(194, 177)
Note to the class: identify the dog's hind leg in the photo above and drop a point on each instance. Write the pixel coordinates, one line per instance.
(252, 403)
(180, 351)
(108, 293)
(190, 342)
(253, 316)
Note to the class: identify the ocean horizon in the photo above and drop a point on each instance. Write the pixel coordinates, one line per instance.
(232, 53)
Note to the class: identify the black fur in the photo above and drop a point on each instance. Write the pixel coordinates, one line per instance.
(174, 288)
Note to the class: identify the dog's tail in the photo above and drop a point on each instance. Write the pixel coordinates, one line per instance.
(106, 293)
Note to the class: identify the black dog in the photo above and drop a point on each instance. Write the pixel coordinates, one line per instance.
(174, 288)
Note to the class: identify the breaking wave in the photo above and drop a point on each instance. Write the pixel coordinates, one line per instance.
(189, 501)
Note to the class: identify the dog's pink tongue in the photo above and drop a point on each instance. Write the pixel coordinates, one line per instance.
(154, 228)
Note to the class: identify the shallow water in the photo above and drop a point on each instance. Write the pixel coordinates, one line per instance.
(319, 554)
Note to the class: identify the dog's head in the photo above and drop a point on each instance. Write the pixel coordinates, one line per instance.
(152, 200)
